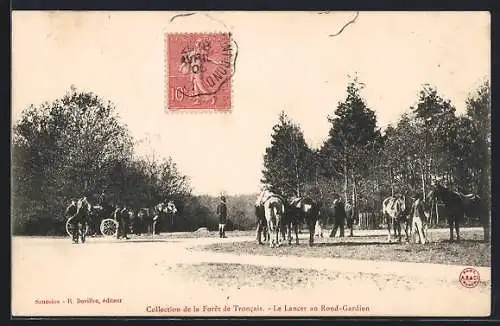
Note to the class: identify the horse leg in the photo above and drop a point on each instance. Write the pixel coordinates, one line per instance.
(406, 225)
(259, 232)
(83, 229)
(397, 229)
(457, 228)
(388, 230)
(450, 224)
(310, 224)
(296, 230)
(394, 227)
(269, 230)
(277, 235)
(289, 229)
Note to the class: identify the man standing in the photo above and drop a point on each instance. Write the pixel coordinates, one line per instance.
(121, 216)
(417, 217)
(339, 216)
(222, 213)
(261, 222)
(349, 210)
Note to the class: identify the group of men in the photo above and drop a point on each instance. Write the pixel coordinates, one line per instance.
(81, 213)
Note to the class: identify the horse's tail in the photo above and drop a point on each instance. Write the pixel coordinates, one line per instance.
(273, 217)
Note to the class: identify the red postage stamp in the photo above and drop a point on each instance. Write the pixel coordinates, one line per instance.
(469, 277)
(198, 71)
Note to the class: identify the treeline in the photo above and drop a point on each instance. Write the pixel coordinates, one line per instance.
(76, 146)
(365, 164)
(241, 212)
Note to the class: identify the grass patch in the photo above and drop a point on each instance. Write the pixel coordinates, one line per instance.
(470, 251)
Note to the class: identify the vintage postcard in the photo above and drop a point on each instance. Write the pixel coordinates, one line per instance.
(170, 164)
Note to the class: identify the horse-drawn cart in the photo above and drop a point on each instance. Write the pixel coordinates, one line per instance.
(108, 227)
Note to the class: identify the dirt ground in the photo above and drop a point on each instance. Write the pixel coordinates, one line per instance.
(170, 276)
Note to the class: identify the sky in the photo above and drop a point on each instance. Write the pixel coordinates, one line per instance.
(286, 61)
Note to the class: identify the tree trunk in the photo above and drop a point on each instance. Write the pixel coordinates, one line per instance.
(346, 176)
(423, 180)
(392, 181)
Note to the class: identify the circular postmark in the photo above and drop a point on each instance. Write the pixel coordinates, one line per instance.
(469, 277)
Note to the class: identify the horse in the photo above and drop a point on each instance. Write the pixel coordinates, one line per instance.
(274, 211)
(396, 211)
(79, 219)
(161, 210)
(475, 207)
(261, 223)
(453, 204)
(457, 206)
(301, 209)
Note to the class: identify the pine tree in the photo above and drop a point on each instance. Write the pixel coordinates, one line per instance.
(353, 140)
(288, 161)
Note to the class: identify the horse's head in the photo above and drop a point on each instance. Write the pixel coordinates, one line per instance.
(171, 208)
(166, 208)
(84, 204)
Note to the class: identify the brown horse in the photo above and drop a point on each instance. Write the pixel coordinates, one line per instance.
(301, 209)
(457, 206)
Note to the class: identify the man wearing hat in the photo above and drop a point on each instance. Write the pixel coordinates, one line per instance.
(222, 212)
(339, 216)
(418, 215)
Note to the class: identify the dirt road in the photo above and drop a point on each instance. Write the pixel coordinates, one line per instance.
(145, 276)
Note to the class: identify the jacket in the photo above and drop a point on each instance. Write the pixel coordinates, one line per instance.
(222, 212)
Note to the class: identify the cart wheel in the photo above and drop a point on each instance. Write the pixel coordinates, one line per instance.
(68, 229)
(109, 227)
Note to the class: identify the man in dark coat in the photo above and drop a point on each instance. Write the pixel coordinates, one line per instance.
(349, 210)
(122, 217)
(339, 216)
(222, 213)
(261, 223)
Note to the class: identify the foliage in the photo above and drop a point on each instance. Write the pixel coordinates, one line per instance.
(352, 144)
(76, 146)
(288, 161)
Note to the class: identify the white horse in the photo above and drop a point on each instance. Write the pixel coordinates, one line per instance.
(274, 210)
(396, 211)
